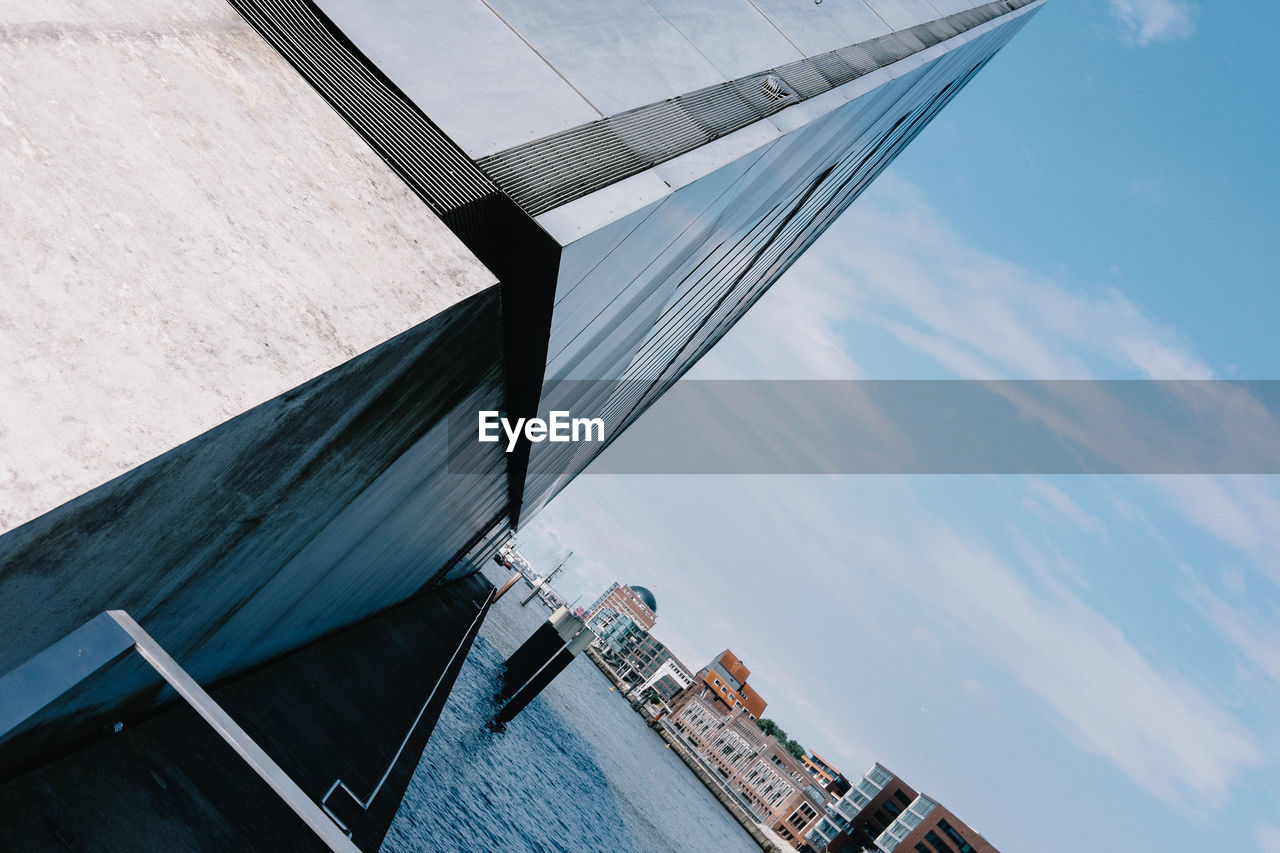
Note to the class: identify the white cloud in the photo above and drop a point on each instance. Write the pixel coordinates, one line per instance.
(1253, 628)
(1242, 512)
(1170, 737)
(892, 262)
(1146, 21)
(1268, 838)
(1146, 188)
(892, 265)
(1053, 503)
(1167, 736)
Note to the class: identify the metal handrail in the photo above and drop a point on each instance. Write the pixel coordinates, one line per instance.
(368, 801)
(38, 682)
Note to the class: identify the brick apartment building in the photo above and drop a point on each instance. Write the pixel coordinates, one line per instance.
(633, 602)
(884, 814)
(929, 827)
(828, 776)
(725, 681)
(773, 786)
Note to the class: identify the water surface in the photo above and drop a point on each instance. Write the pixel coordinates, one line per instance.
(577, 770)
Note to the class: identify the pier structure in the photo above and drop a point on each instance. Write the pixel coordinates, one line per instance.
(546, 654)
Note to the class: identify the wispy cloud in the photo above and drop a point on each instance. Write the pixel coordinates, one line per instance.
(794, 337)
(1150, 189)
(1268, 838)
(892, 266)
(1049, 501)
(1241, 512)
(1254, 629)
(1147, 21)
(1166, 735)
(892, 262)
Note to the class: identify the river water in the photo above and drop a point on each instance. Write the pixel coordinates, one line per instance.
(577, 770)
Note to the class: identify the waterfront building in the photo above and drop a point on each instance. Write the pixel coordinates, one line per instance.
(242, 379)
(647, 663)
(828, 777)
(929, 827)
(549, 597)
(546, 196)
(638, 659)
(634, 602)
(724, 680)
(769, 782)
(616, 634)
(666, 163)
(511, 558)
(856, 819)
(669, 679)
(646, 655)
(881, 813)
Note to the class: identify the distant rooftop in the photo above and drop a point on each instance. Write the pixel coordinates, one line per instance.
(646, 597)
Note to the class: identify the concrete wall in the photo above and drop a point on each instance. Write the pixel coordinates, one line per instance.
(229, 346)
(189, 231)
(305, 514)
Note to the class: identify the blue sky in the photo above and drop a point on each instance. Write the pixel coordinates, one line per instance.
(1099, 202)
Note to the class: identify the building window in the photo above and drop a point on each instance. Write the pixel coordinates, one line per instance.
(938, 844)
(950, 830)
(801, 816)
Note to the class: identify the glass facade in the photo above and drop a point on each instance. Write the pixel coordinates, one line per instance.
(678, 156)
(640, 299)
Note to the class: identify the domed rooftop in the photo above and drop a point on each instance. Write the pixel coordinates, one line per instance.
(646, 597)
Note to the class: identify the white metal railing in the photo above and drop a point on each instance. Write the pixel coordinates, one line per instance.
(364, 804)
(32, 686)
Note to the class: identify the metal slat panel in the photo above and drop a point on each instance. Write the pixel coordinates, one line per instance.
(911, 42)
(719, 109)
(445, 178)
(835, 69)
(941, 29)
(926, 36)
(805, 78)
(859, 58)
(886, 50)
(655, 134)
(549, 172)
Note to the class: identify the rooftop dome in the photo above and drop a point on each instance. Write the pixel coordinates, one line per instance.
(646, 597)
